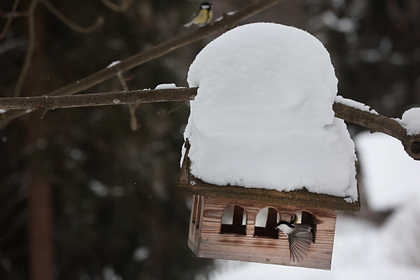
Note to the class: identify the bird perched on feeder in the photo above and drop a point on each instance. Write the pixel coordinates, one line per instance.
(202, 17)
(300, 238)
(294, 219)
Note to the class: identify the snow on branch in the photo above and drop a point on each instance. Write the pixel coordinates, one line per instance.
(345, 109)
(378, 123)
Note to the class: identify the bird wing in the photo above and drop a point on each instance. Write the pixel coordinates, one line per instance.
(300, 245)
(188, 24)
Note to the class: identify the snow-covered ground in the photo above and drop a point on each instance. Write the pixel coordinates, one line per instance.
(363, 250)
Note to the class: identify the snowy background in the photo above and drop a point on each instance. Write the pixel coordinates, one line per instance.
(364, 249)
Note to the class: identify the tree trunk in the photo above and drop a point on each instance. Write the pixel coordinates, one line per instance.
(40, 229)
(38, 166)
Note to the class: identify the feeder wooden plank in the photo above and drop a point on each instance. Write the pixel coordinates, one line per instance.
(183, 174)
(212, 244)
(298, 197)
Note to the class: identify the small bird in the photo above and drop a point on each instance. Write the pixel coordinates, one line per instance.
(294, 219)
(202, 17)
(300, 238)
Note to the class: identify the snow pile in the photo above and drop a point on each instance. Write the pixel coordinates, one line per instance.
(394, 178)
(358, 105)
(263, 113)
(411, 121)
(166, 86)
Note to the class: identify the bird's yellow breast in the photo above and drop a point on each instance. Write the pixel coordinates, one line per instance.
(204, 17)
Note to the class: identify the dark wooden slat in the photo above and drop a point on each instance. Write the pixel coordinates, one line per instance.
(302, 197)
(271, 218)
(238, 214)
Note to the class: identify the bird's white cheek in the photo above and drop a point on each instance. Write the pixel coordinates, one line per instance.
(285, 229)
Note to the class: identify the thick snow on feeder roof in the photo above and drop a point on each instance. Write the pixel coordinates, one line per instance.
(263, 114)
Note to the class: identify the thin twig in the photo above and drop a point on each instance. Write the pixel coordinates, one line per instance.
(122, 81)
(31, 37)
(134, 123)
(31, 48)
(69, 23)
(118, 8)
(226, 23)
(165, 113)
(9, 20)
(132, 107)
(13, 15)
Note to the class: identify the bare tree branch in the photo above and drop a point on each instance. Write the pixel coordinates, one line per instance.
(9, 20)
(69, 23)
(374, 122)
(226, 23)
(118, 8)
(31, 37)
(378, 123)
(31, 48)
(164, 48)
(132, 107)
(165, 113)
(46, 103)
(14, 14)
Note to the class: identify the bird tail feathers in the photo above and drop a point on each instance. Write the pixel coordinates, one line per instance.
(188, 24)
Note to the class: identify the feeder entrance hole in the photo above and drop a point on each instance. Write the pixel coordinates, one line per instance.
(234, 220)
(265, 223)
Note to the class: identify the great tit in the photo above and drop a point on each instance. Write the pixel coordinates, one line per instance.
(203, 16)
(294, 219)
(300, 238)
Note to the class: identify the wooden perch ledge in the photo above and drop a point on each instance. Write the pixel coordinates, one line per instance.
(373, 121)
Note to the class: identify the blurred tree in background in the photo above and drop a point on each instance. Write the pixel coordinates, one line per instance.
(110, 192)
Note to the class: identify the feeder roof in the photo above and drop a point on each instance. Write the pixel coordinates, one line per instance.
(263, 114)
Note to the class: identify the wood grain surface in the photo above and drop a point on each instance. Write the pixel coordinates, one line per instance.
(207, 241)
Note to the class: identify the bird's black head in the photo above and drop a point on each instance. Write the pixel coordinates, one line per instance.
(205, 6)
(285, 223)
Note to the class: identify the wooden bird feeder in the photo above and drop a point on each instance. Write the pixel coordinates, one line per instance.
(241, 238)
